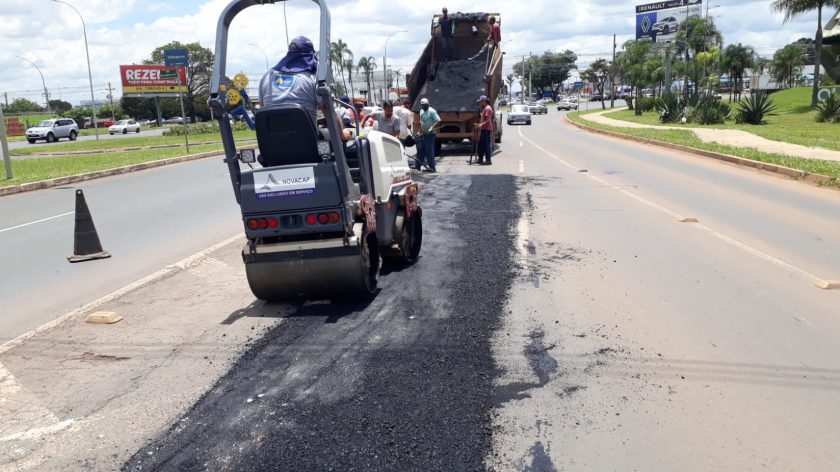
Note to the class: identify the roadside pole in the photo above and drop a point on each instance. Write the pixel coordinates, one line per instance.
(183, 114)
(4, 145)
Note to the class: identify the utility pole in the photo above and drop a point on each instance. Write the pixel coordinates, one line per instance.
(530, 76)
(111, 98)
(4, 146)
(612, 77)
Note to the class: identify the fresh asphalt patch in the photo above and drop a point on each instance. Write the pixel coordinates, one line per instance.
(403, 381)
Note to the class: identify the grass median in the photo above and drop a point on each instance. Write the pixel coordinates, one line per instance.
(130, 142)
(793, 122)
(688, 138)
(34, 170)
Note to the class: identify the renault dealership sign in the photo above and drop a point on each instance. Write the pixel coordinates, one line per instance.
(659, 21)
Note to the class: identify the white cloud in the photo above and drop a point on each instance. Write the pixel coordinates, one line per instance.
(121, 32)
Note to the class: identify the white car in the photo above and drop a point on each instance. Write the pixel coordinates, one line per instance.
(124, 127)
(519, 114)
(567, 104)
(53, 130)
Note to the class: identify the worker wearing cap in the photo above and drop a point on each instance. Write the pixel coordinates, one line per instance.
(485, 148)
(429, 120)
(293, 79)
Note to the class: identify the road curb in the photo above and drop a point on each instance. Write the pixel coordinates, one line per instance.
(45, 184)
(741, 161)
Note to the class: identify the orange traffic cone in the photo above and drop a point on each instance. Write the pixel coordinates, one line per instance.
(86, 245)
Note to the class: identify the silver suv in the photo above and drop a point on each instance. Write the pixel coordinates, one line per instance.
(53, 130)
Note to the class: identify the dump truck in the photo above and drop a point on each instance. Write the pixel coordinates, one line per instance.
(454, 84)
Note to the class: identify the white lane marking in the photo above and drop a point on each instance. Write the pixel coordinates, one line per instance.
(524, 232)
(521, 167)
(181, 265)
(37, 221)
(818, 281)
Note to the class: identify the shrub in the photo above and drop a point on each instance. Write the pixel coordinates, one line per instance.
(669, 108)
(753, 109)
(629, 101)
(828, 110)
(205, 127)
(710, 111)
(647, 104)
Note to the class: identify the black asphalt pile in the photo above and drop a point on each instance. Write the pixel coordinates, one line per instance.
(403, 382)
(470, 17)
(455, 86)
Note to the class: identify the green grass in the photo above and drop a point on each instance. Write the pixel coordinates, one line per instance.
(688, 138)
(793, 123)
(33, 170)
(128, 142)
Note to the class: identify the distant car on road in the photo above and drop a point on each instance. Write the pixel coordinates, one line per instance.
(666, 25)
(124, 127)
(175, 120)
(538, 108)
(567, 104)
(596, 97)
(53, 130)
(519, 114)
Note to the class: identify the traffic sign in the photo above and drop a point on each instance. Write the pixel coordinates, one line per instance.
(176, 57)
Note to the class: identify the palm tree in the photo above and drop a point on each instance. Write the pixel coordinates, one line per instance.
(737, 58)
(793, 8)
(695, 35)
(787, 62)
(350, 66)
(338, 52)
(368, 64)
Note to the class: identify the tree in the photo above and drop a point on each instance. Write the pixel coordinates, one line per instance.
(548, 71)
(735, 60)
(510, 78)
(787, 63)
(792, 8)
(368, 64)
(60, 106)
(339, 53)
(597, 74)
(634, 56)
(23, 105)
(199, 72)
(696, 35)
(350, 66)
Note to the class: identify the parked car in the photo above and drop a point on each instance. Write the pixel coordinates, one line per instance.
(596, 97)
(53, 130)
(666, 25)
(538, 108)
(175, 120)
(567, 104)
(124, 127)
(519, 114)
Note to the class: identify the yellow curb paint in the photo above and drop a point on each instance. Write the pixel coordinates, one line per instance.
(103, 317)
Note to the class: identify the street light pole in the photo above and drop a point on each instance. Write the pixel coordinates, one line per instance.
(90, 75)
(263, 51)
(385, 61)
(46, 94)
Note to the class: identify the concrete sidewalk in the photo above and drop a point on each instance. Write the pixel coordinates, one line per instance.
(727, 137)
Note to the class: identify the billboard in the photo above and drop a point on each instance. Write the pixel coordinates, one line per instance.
(162, 81)
(659, 21)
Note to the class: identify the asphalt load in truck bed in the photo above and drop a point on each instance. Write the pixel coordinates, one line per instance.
(455, 85)
(400, 382)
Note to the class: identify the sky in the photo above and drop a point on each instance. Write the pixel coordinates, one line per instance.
(126, 31)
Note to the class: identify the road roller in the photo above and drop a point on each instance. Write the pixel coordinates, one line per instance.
(319, 213)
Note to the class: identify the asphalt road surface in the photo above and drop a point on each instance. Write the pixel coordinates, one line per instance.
(103, 134)
(562, 316)
(146, 220)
